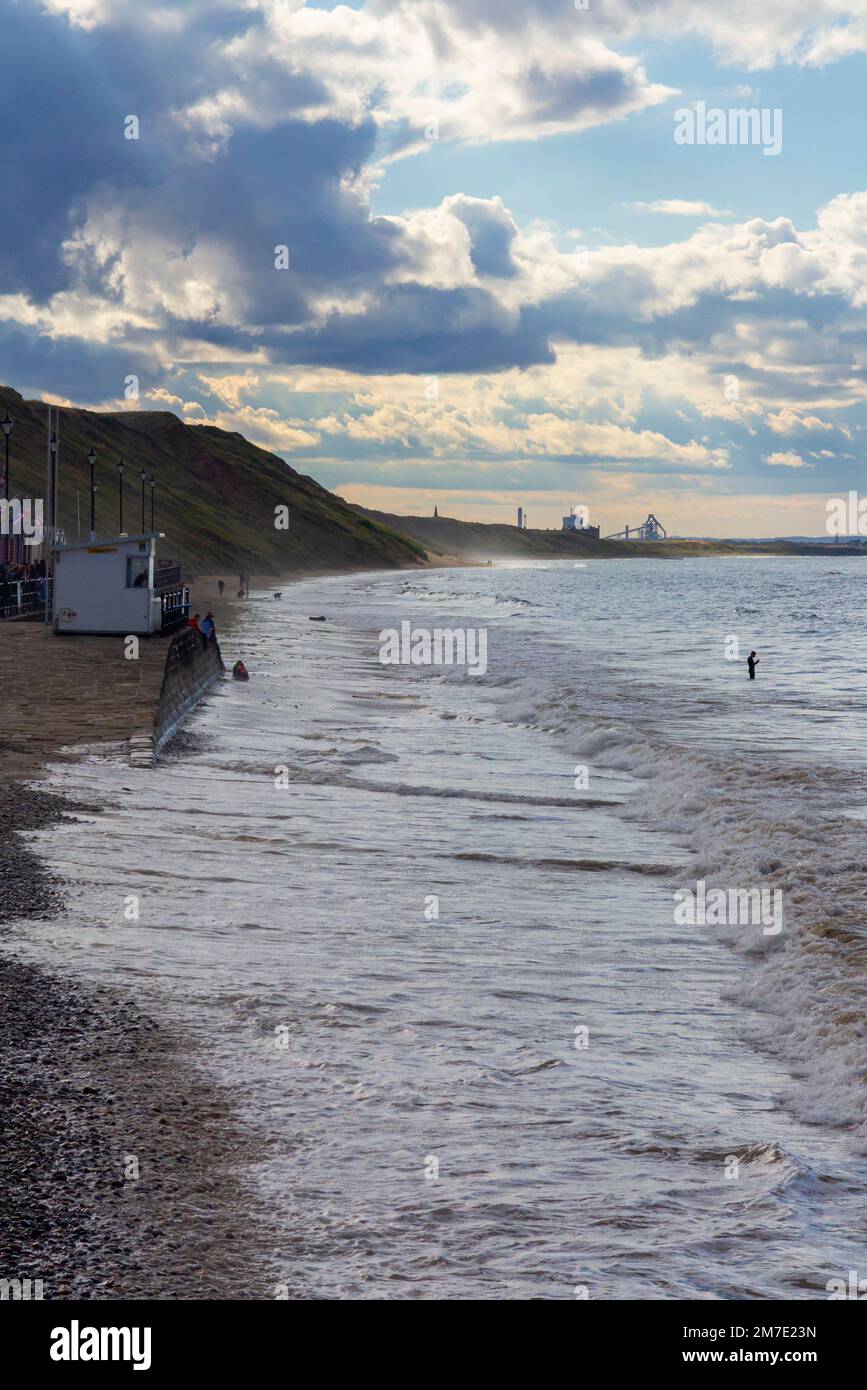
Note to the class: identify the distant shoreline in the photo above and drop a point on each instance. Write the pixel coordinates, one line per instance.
(449, 541)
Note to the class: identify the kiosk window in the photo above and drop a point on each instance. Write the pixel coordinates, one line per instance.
(137, 571)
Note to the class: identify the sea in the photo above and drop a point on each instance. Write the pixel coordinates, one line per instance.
(430, 924)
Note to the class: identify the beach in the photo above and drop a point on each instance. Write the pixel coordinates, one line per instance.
(89, 1084)
(418, 926)
(122, 1167)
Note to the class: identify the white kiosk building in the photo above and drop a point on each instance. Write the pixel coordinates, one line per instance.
(116, 586)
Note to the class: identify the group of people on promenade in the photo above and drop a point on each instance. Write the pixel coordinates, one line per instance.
(205, 627)
(30, 575)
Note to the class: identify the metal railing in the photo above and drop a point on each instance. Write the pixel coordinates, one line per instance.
(167, 576)
(19, 597)
(175, 606)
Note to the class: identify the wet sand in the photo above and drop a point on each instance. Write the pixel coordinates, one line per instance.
(121, 1167)
(92, 1092)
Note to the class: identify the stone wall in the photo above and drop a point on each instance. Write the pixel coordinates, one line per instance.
(189, 672)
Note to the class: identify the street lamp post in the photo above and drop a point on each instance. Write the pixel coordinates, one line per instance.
(143, 475)
(91, 458)
(120, 468)
(153, 483)
(6, 424)
(52, 476)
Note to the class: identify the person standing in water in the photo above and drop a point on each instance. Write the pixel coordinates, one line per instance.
(752, 663)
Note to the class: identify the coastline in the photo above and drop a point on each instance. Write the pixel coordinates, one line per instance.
(87, 1080)
(92, 1089)
(343, 1024)
(92, 1092)
(91, 1086)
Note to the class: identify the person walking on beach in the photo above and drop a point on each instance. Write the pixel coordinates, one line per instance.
(752, 663)
(221, 586)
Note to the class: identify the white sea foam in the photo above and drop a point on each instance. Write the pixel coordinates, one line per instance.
(303, 909)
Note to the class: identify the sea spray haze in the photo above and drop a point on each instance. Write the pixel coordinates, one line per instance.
(422, 919)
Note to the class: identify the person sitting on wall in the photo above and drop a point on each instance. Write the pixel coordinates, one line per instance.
(194, 621)
(208, 629)
(240, 672)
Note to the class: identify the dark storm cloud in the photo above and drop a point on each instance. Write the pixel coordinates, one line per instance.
(291, 184)
(560, 101)
(64, 96)
(226, 170)
(283, 187)
(411, 328)
(492, 232)
(60, 137)
(81, 371)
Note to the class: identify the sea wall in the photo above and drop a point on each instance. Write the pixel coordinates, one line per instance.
(191, 669)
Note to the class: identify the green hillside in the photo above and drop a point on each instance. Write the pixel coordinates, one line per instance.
(214, 499)
(216, 496)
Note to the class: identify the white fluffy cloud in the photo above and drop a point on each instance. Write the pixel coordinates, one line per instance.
(426, 71)
(786, 460)
(680, 207)
(453, 333)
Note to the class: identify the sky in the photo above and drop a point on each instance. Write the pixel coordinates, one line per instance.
(471, 254)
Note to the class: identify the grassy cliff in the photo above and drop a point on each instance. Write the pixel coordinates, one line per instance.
(215, 495)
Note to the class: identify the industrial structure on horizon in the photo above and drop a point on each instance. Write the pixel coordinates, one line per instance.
(649, 530)
(577, 524)
(577, 521)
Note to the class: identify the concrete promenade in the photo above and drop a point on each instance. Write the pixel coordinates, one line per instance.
(62, 691)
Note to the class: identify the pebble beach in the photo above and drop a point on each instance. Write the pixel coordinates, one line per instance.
(120, 1165)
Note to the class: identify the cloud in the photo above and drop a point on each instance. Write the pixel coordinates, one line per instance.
(431, 70)
(786, 460)
(680, 207)
(267, 123)
(808, 33)
(788, 421)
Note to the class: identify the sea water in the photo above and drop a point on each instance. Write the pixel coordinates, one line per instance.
(422, 921)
